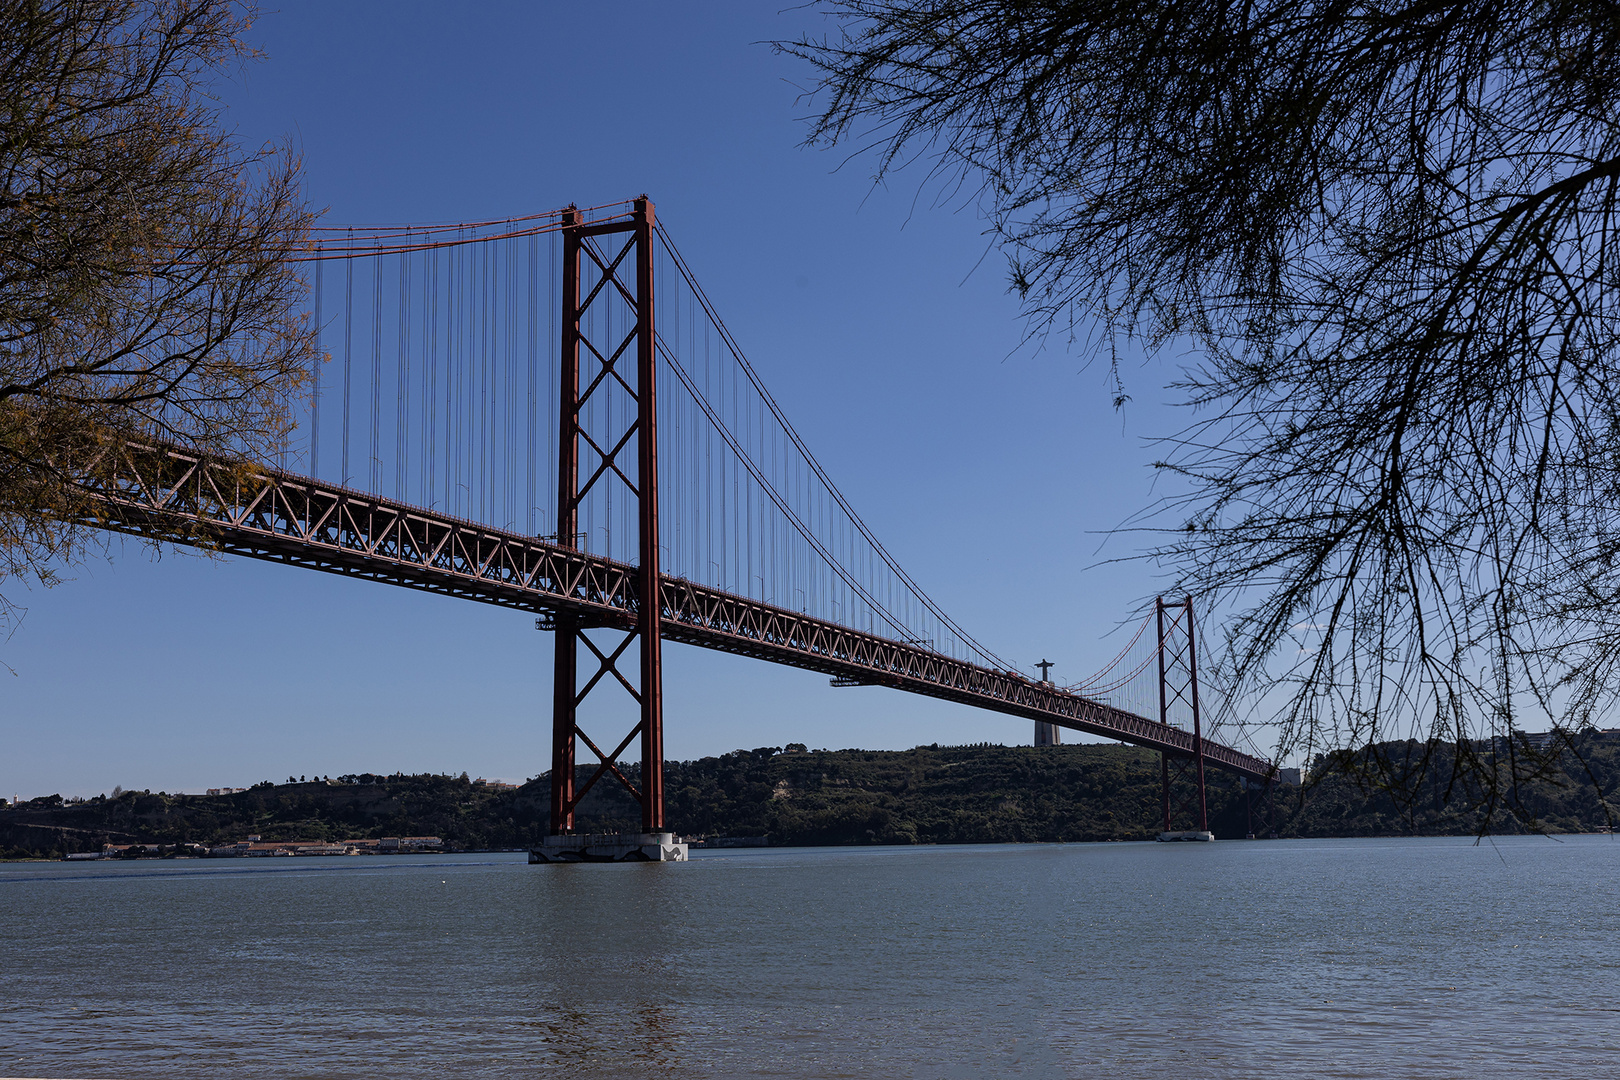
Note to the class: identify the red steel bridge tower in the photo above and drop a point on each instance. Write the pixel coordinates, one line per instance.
(623, 263)
(1178, 693)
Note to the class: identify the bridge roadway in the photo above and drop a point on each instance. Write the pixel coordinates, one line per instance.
(266, 514)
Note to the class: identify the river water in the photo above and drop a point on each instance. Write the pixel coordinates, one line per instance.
(1344, 958)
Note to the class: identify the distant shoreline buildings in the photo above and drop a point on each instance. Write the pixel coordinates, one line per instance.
(253, 847)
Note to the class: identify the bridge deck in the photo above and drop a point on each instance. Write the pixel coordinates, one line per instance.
(282, 517)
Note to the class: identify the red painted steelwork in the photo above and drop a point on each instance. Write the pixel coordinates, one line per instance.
(1198, 728)
(650, 616)
(261, 513)
(565, 675)
(1164, 716)
(571, 631)
(1178, 683)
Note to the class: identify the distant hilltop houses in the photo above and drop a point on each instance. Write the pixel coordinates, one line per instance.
(253, 847)
(366, 778)
(361, 779)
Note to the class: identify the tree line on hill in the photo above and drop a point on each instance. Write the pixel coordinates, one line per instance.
(927, 795)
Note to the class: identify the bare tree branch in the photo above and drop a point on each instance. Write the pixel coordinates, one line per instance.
(1390, 231)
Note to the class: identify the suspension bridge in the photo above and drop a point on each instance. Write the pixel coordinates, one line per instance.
(548, 413)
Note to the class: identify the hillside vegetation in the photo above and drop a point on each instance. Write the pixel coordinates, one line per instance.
(932, 794)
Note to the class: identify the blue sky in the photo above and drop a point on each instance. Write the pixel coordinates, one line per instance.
(884, 331)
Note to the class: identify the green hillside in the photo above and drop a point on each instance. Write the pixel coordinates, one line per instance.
(931, 795)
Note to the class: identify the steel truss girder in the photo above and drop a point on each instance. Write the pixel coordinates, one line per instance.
(261, 513)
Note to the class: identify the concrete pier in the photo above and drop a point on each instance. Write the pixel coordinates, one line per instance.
(1194, 835)
(610, 847)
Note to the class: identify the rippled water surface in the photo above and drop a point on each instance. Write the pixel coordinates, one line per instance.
(1433, 958)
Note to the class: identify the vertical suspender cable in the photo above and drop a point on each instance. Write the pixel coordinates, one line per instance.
(708, 465)
(376, 371)
(430, 390)
(425, 436)
(481, 290)
(877, 549)
(483, 287)
(403, 417)
(529, 462)
(492, 385)
(553, 348)
(512, 448)
(348, 352)
(315, 374)
(464, 456)
(452, 421)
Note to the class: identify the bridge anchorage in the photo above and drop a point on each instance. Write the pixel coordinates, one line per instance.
(620, 515)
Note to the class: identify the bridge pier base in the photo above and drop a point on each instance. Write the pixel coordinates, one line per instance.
(610, 847)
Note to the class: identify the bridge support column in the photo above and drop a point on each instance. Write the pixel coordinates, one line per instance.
(1164, 789)
(1178, 691)
(612, 250)
(563, 726)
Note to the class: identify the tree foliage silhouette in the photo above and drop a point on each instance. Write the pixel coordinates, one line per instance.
(1389, 230)
(145, 289)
